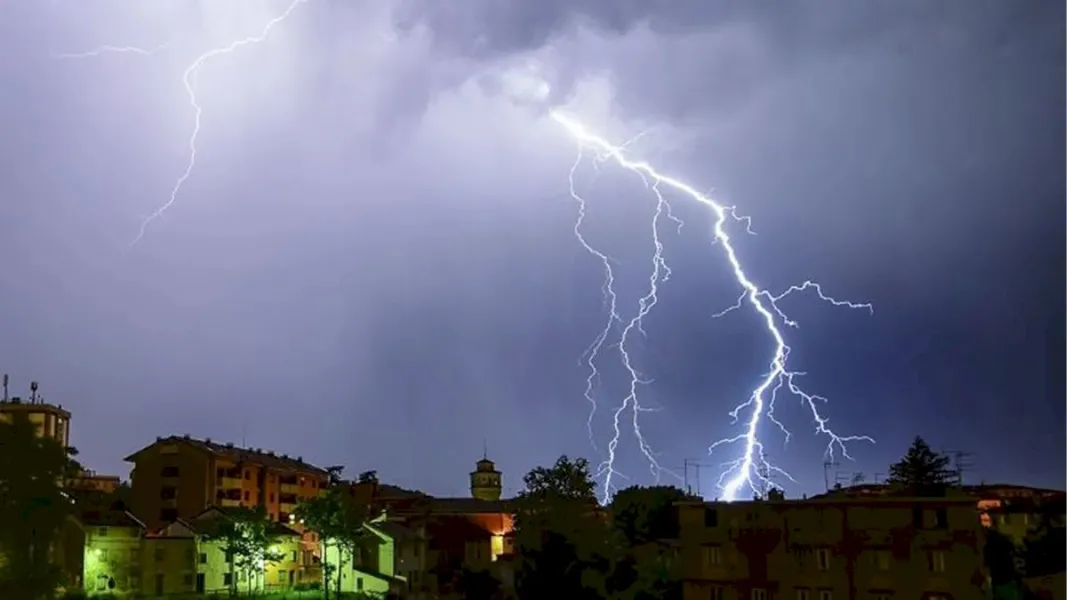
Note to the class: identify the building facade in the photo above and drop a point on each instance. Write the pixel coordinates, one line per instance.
(179, 477)
(876, 548)
(50, 420)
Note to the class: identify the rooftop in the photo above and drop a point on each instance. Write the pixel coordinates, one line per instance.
(257, 456)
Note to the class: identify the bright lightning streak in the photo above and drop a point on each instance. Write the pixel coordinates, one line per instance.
(752, 469)
(189, 81)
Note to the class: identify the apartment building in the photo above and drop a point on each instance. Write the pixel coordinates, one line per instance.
(833, 548)
(51, 420)
(178, 477)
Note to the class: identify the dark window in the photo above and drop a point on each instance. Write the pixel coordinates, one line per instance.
(248, 474)
(203, 558)
(917, 516)
(711, 517)
(170, 471)
(227, 579)
(168, 493)
(248, 496)
(941, 516)
(168, 514)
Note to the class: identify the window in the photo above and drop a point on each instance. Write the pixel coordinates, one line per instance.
(294, 555)
(359, 584)
(826, 595)
(227, 579)
(881, 559)
(711, 517)
(917, 516)
(101, 531)
(203, 558)
(712, 556)
(168, 493)
(168, 515)
(101, 583)
(283, 576)
(936, 559)
(248, 495)
(803, 594)
(248, 474)
(716, 593)
(822, 556)
(941, 518)
(759, 594)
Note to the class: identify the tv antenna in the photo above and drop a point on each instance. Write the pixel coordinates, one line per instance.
(5, 387)
(33, 392)
(827, 467)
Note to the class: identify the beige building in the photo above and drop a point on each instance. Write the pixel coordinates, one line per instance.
(50, 420)
(866, 548)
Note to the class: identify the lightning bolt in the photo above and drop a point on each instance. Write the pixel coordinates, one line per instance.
(189, 81)
(752, 469)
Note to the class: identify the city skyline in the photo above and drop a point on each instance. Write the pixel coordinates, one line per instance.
(385, 276)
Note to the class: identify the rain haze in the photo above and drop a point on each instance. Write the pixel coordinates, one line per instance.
(373, 260)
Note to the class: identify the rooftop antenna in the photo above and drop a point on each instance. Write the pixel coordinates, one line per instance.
(5, 387)
(485, 449)
(826, 467)
(33, 392)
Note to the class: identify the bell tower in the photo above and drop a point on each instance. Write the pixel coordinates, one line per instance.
(485, 481)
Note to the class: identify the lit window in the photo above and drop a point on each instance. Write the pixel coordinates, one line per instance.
(822, 556)
(712, 556)
(937, 562)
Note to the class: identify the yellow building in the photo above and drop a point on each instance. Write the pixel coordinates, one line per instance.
(50, 420)
(832, 548)
(102, 552)
(183, 558)
(371, 570)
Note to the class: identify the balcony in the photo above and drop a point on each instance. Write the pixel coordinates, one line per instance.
(229, 502)
(228, 482)
(290, 488)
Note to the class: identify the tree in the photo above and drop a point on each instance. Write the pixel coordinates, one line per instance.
(246, 536)
(1043, 548)
(562, 541)
(642, 518)
(338, 520)
(921, 470)
(33, 507)
(368, 477)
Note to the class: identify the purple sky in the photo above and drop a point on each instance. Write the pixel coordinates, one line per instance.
(373, 261)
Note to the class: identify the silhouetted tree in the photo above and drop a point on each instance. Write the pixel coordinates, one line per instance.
(1000, 554)
(643, 520)
(246, 536)
(33, 507)
(560, 537)
(1043, 549)
(338, 520)
(646, 514)
(477, 585)
(368, 477)
(922, 470)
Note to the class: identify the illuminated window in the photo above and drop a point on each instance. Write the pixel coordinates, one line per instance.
(936, 561)
(822, 556)
(712, 556)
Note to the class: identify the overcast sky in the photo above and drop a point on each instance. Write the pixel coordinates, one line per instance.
(373, 260)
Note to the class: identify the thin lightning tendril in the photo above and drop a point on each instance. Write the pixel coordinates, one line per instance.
(189, 81)
(752, 470)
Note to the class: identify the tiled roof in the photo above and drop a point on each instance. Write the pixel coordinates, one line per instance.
(394, 530)
(103, 517)
(257, 456)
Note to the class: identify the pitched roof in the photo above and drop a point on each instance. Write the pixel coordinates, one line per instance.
(394, 530)
(104, 517)
(257, 456)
